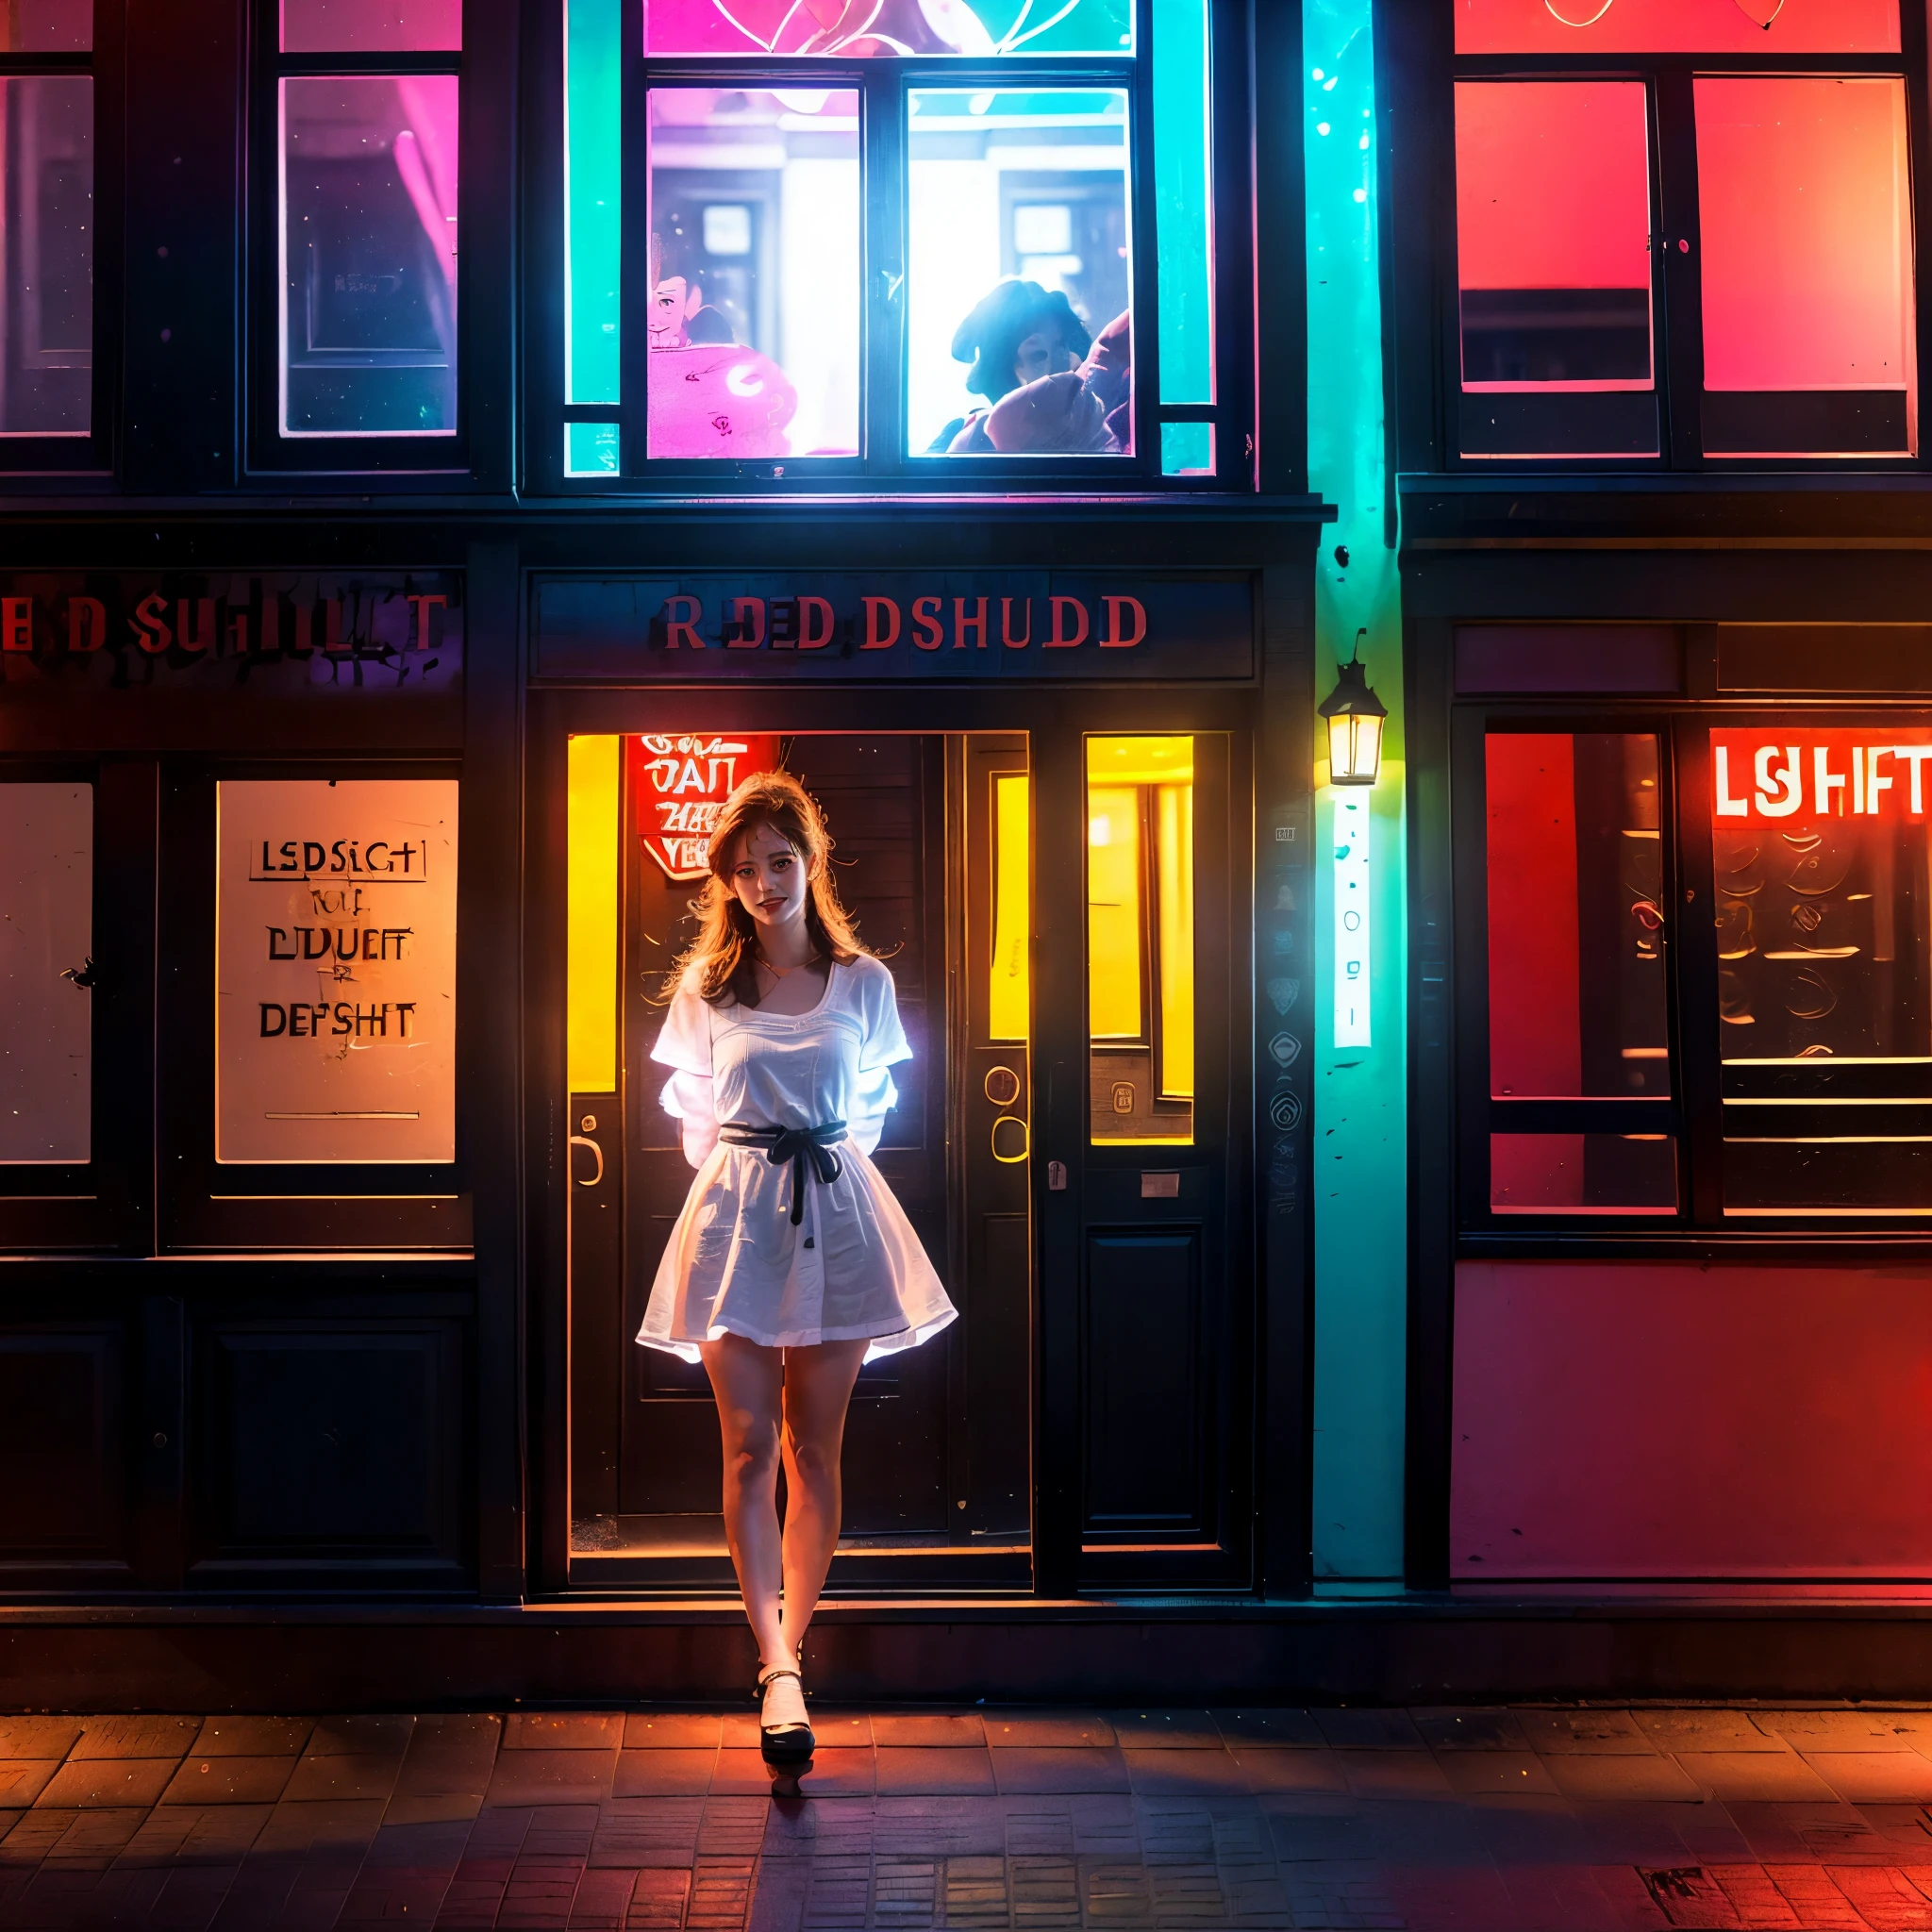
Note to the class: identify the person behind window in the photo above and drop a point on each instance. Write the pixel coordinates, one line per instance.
(710, 396)
(790, 1263)
(1020, 335)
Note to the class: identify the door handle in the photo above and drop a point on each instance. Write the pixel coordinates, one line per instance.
(580, 1140)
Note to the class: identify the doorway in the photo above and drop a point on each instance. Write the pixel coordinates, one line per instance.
(932, 854)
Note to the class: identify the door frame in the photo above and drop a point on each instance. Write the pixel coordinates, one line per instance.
(1054, 718)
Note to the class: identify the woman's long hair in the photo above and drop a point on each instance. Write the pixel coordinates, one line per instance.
(722, 957)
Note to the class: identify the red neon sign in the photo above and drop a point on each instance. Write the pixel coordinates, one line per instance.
(680, 782)
(1775, 774)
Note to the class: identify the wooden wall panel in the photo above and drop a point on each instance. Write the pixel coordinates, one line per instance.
(333, 1447)
(63, 1445)
(1143, 1386)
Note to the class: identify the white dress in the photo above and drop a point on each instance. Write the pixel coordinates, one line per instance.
(851, 1267)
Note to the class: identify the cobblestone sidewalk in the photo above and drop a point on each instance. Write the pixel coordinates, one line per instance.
(1527, 1819)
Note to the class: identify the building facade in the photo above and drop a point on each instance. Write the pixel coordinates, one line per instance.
(449, 442)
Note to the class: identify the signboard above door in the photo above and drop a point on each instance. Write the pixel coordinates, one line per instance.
(892, 625)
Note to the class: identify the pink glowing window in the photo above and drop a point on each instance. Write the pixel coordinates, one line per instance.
(1676, 26)
(1576, 890)
(47, 27)
(755, 228)
(1553, 235)
(1804, 201)
(372, 26)
(849, 29)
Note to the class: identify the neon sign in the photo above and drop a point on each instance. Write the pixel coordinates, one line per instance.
(1773, 774)
(681, 782)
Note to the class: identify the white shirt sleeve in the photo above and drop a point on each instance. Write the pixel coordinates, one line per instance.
(684, 1045)
(882, 1047)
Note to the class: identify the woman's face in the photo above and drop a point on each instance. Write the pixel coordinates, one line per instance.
(770, 877)
(1042, 353)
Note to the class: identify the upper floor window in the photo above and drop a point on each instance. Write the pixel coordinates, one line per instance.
(1683, 230)
(902, 240)
(48, 404)
(366, 137)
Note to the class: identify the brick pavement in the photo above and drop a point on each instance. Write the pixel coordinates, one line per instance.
(1524, 1820)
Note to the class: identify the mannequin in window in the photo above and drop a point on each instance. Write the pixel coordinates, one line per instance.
(791, 1262)
(1019, 336)
(711, 396)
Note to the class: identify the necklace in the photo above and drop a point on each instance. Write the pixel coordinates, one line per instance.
(782, 971)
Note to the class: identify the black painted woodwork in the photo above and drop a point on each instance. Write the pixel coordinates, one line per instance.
(63, 1429)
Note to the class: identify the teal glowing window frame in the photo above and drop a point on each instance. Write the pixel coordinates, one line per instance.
(1186, 81)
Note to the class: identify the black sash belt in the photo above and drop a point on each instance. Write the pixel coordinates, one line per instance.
(808, 1150)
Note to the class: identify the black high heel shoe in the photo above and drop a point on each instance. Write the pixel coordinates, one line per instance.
(783, 1744)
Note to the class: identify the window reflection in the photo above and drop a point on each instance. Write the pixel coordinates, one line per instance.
(858, 29)
(754, 273)
(1583, 1173)
(1019, 331)
(369, 255)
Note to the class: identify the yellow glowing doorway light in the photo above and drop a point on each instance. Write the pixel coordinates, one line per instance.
(590, 972)
(1010, 998)
(1120, 773)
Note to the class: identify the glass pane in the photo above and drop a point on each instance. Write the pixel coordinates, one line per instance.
(1009, 1003)
(1019, 341)
(46, 934)
(46, 375)
(1183, 213)
(1823, 873)
(1804, 201)
(592, 202)
(1583, 1173)
(1577, 958)
(369, 255)
(1676, 26)
(755, 253)
(856, 29)
(1553, 245)
(1140, 938)
(589, 449)
(47, 27)
(371, 27)
(335, 970)
(591, 1013)
(1187, 449)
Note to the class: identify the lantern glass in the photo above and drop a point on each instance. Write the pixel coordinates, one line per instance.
(1355, 748)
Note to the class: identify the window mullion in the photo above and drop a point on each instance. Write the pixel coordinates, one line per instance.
(1681, 280)
(634, 272)
(1692, 948)
(883, 186)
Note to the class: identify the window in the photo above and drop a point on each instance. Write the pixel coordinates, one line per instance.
(47, 227)
(1643, 1058)
(364, 336)
(1140, 940)
(904, 242)
(1736, 244)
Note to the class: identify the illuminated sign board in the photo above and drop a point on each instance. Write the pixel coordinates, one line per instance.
(335, 970)
(680, 783)
(1777, 772)
(931, 626)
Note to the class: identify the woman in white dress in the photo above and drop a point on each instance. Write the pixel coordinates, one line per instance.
(791, 1263)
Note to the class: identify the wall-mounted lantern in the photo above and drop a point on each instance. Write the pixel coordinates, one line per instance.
(1354, 716)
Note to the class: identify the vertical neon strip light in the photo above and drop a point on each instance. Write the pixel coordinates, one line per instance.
(1360, 1170)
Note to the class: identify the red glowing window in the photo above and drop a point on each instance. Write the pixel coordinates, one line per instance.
(1553, 266)
(1577, 958)
(1676, 26)
(1804, 200)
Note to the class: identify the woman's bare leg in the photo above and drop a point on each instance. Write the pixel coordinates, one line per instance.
(748, 1382)
(818, 1389)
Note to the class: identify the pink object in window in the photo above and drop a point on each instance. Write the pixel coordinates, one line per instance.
(1676, 26)
(716, 399)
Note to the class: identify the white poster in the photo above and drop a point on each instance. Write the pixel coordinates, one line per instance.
(336, 970)
(46, 1003)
